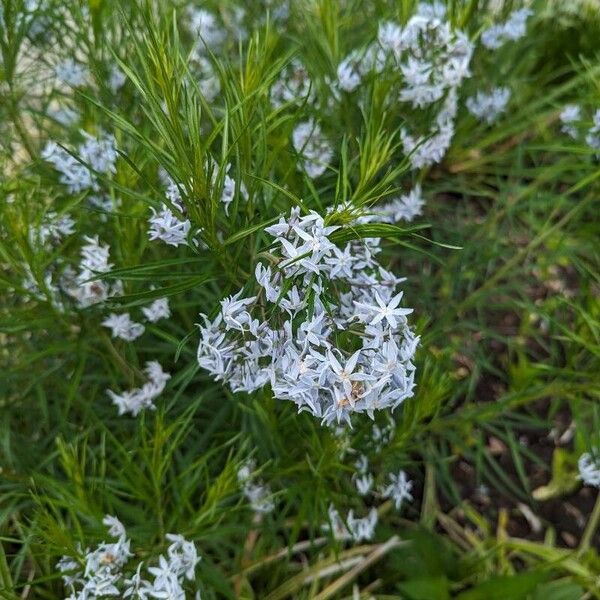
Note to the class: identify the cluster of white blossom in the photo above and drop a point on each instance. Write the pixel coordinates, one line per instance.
(72, 73)
(572, 123)
(313, 147)
(116, 79)
(64, 115)
(84, 286)
(488, 107)
(135, 400)
(257, 492)
(430, 148)
(225, 185)
(231, 22)
(353, 528)
(569, 116)
(592, 137)
(363, 480)
(399, 489)
(159, 309)
(293, 86)
(52, 229)
(589, 468)
(404, 208)
(312, 295)
(207, 27)
(123, 327)
(96, 155)
(165, 225)
(514, 28)
(431, 57)
(204, 73)
(103, 571)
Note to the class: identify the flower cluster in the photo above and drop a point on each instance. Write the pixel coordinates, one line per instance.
(105, 571)
(399, 489)
(123, 327)
(52, 229)
(570, 115)
(204, 73)
(257, 493)
(512, 29)
(404, 208)
(85, 287)
(159, 309)
(72, 73)
(293, 86)
(363, 480)
(165, 225)
(589, 468)
(331, 337)
(315, 151)
(573, 125)
(488, 107)
(593, 135)
(353, 528)
(96, 155)
(431, 57)
(135, 400)
(225, 185)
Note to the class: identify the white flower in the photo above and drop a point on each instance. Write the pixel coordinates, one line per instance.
(100, 153)
(115, 527)
(295, 348)
(348, 72)
(355, 529)
(52, 229)
(72, 73)
(433, 58)
(106, 572)
(315, 150)
(165, 226)
(293, 86)
(75, 175)
(116, 79)
(430, 149)
(363, 483)
(405, 208)
(204, 24)
(85, 287)
(592, 138)
(436, 10)
(570, 115)
(123, 327)
(183, 556)
(207, 79)
(488, 107)
(390, 38)
(399, 489)
(589, 468)
(513, 29)
(158, 310)
(383, 311)
(65, 115)
(256, 492)
(138, 399)
(222, 180)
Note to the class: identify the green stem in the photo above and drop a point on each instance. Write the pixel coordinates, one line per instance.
(590, 528)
